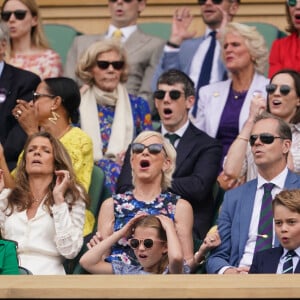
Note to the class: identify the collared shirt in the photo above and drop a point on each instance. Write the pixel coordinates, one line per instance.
(179, 132)
(198, 59)
(279, 181)
(282, 260)
(126, 31)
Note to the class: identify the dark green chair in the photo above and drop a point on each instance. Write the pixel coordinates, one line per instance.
(159, 29)
(60, 38)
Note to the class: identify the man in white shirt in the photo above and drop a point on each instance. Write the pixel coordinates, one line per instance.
(143, 50)
(239, 220)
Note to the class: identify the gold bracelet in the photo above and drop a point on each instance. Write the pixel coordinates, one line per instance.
(242, 138)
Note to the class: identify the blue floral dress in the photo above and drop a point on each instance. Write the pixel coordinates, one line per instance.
(141, 120)
(126, 207)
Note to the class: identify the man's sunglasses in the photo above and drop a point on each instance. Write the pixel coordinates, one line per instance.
(103, 64)
(148, 243)
(138, 148)
(284, 89)
(202, 2)
(265, 138)
(291, 3)
(19, 14)
(160, 94)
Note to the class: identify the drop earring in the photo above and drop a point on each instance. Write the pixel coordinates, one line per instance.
(55, 116)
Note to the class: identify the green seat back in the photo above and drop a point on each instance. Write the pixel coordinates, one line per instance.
(159, 29)
(60, 38)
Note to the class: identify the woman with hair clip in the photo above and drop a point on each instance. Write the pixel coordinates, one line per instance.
(154, 242)
(29, 48)
(285, 52)
(44, 212)
(283, 100)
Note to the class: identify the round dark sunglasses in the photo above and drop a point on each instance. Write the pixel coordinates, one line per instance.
(265, 138)
(284, 89)
(291, 3)
(103, 64)
(19, 14)
(148, 243)
(202, 2)
(138, 148)
(160, 94)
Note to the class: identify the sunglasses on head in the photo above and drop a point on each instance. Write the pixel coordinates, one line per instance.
(19, 14)
(202, 2)
(103, 64)
(148, 243)
(291, 3)
(138, 148)
(174, 94)
(284, 89)
(265, 138)
(36, 96)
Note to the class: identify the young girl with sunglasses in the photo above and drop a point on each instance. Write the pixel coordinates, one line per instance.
(283, 101)
(29, 47)
(154, 242)
(285, 51)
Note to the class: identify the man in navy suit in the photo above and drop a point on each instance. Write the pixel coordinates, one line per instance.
(286, 210)
(186, 53)
(238, 222)
(198, 155)
(14, 84)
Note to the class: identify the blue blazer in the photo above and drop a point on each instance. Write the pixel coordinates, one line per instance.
(234, 222)
(267, 261)
(182, 59)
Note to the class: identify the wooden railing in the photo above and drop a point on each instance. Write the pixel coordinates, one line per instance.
(92, 16)
(151, 286)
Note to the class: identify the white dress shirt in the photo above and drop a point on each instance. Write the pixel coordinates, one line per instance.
(282, 260)
(126, 31)
(180, 132)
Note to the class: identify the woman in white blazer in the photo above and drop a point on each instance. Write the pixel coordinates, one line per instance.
(223, 107)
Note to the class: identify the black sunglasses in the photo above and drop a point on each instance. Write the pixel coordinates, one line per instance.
(291, 3)
(148, 243)
(138, 148)
(103, 64)
(126, 1)
(174, 94)
(284, 89)
(19, 14)
(202, 2)
(36, 96)
(265, 138)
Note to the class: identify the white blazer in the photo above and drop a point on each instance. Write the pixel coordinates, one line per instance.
(212, 100)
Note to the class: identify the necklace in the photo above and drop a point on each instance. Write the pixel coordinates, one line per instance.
(37, 201)
(239, 95)
(64, 132)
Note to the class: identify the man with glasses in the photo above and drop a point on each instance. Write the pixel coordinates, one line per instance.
(15, 84)
(198, 155)
(245, 223)
(198, 57)
(143, 50)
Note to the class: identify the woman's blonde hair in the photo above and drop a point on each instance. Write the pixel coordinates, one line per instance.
(170, 154)
(38, 37)
(89, 59)
(254, 41)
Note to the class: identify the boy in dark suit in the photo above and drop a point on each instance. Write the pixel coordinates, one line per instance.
(285, 258)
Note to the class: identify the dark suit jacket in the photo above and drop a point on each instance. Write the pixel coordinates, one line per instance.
(197, 164)
(267, 261)
(17, 84)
